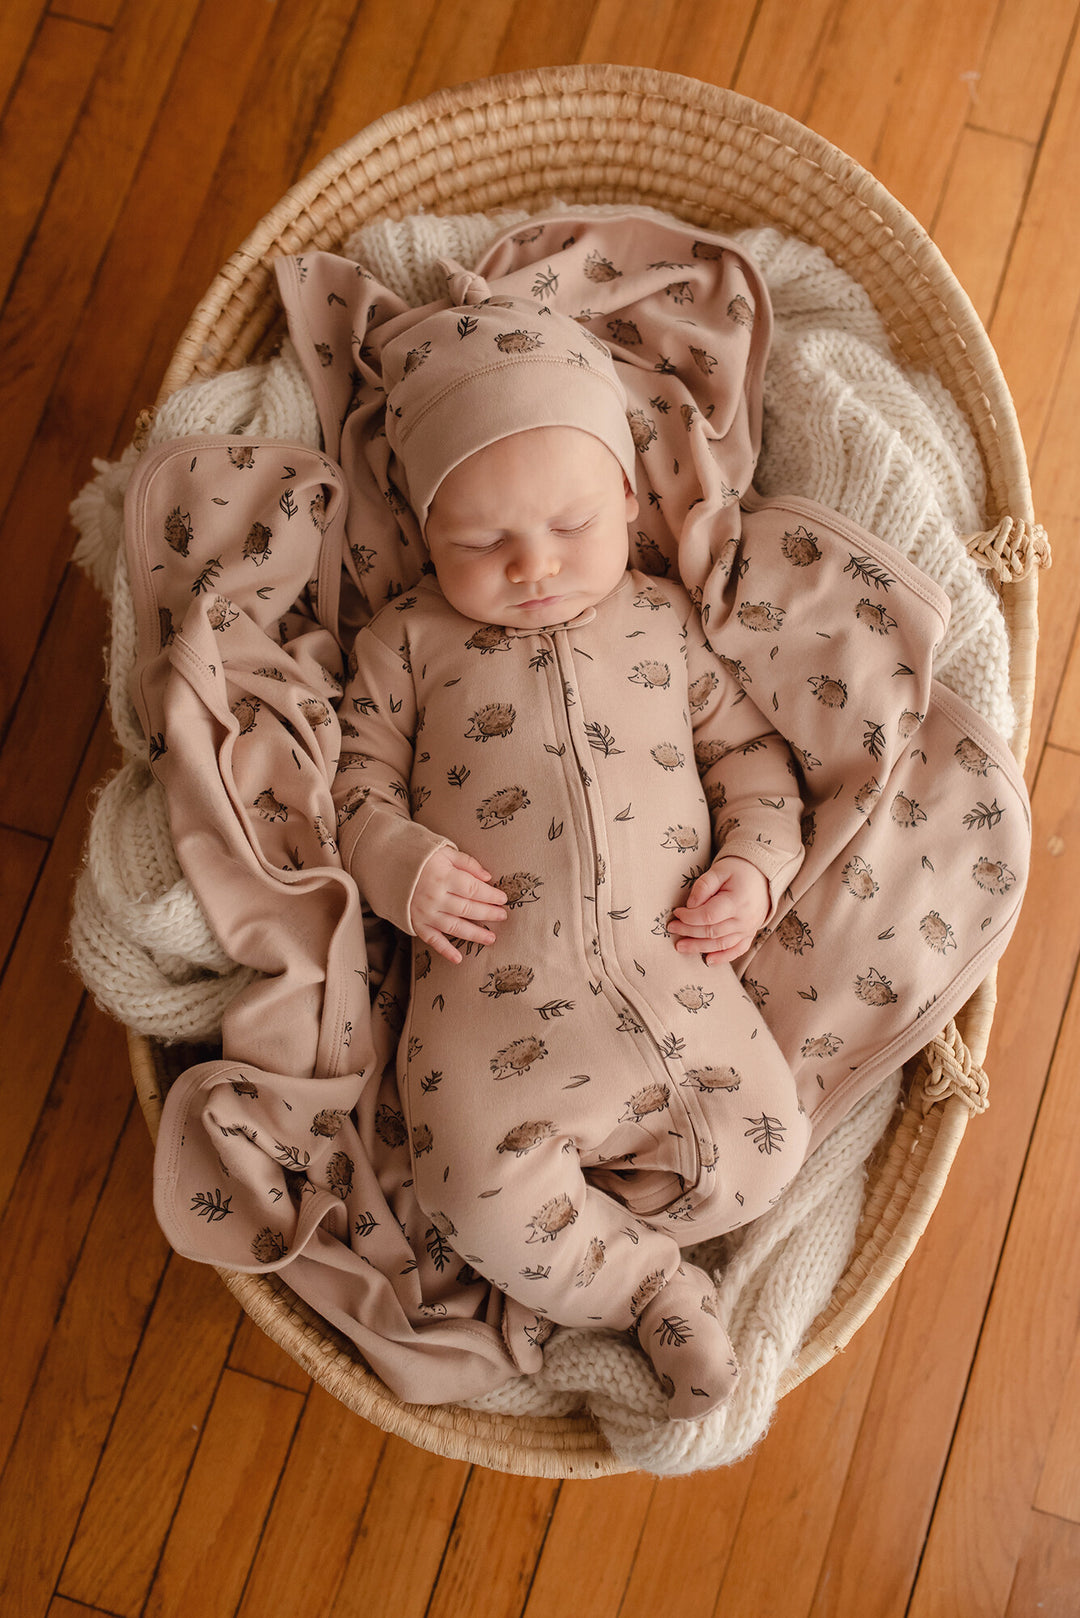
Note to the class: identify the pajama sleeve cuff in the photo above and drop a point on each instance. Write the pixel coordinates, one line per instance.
(776, 865)
(386, 859)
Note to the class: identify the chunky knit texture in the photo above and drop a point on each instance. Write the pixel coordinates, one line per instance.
(845, 425)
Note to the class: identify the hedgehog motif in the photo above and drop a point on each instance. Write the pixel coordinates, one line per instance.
(507, 980)
(592, 1263)
(166, 630)
(315, 711)
(705, 362)
(520, 888)
(325, 353)
(421, 964)
(415, 358)
(526, 1137)
(242, 456)
(555, 1216)
(830, 692)
(326, 837)
(650, 557)
(654, 675)
(443, 1225)
(706, 754)
(317, 510)
(708, 1153)
(518, 1056)
(715, 796)
(502, 806)
(800, 548)
(652, 1098)
(244, 711)
(908, 723)
(518, 342)
(328, 1123)
(735, 668)
(679, 292)
(707, 1079)
(488, 638)
(689, 414)
(905, 811)
(646, 1291)
(497, 719)
(808, 828)
(700, 691)
(599, 269)
(971, 757)
(339, 1174)
(992, 875)
(937, 933)
(624, 331)
(642, 429)
(694, 997)
(740, 311)
(422, 1140)
(667, 755)
(765, 618)
(363, 559)
(353, 800)
(649, 596)
(390, 1126)
(822, 1045)
(794, 934)
(269, 1246)
(257, 544)
(269, 806)
(874, 990)
(727, 828)
(682, 838)
(244, 1087)
(757, 992)
(858, 878)
(867, 796)
(222, 614)
(874, 617)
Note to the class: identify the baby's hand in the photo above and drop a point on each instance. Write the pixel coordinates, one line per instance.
(453, 893)
(723, 911)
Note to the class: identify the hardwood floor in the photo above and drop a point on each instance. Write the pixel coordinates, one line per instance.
(162, 1457)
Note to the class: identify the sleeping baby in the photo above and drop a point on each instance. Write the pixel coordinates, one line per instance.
(552, 782)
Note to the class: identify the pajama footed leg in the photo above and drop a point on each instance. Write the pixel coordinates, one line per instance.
(690, 1351)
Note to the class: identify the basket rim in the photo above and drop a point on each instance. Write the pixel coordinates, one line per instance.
(448, 122)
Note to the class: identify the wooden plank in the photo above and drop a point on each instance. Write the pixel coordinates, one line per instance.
(979, 211)
(1018, 79)
(1056, 485)
(36, 127)
(60, 1607)
(977, 1536)
(19, 21)
(873, 1552)
(320, 1501)
(372, 70)
(34, 976)
(1065, 730)
(496, 1541)
(781, 1536)
(258, 1355)
(54, 1199)
(590, 1548)
(127, 1514)
(216, 1532)
(455, 48)
(21, 858)
(542, 32)
(785, 52)
(79, 1382)
(1036, 311)
(1047, 1583)
(630, 31)
(105, 323)
(61, 699)
(100, 13)
(1059, 1483)
(914, 98)
(399, 1547)
(268, 148)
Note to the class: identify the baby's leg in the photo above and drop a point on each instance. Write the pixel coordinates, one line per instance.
(524, 1216)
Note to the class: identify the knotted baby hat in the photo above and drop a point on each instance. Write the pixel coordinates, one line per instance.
(488, 367)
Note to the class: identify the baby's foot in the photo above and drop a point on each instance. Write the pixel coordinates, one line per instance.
(690, 1351)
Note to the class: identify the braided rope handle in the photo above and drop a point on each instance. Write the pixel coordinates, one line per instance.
(950, 1071)
(1010, 550)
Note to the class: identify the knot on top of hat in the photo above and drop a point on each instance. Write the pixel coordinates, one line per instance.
(465, 288)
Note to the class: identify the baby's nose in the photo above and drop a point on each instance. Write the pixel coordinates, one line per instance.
(531, 563)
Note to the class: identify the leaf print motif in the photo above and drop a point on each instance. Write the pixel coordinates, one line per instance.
(867, 571)
(207, 576)
(673, 1331)
(555, 1008)
(601, 739)
(767, 1133)
(438, 1248)
(983, 817)
(874, 739)
(211, 1206)
(365, 1224)
(546, 283)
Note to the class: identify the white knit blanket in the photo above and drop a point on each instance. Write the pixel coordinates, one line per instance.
(846, 425)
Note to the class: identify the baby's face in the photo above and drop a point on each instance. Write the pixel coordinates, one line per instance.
(533, 529)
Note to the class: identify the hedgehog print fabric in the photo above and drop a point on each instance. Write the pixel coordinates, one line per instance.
(255, 564)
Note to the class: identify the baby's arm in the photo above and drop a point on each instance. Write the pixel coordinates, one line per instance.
(408, 873)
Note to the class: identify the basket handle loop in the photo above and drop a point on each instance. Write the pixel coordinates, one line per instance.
(1011, 549)
(952, 1072)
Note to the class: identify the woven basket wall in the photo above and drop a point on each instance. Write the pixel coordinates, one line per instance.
(597, 134)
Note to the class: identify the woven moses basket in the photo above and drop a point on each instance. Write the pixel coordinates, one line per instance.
(631, 135)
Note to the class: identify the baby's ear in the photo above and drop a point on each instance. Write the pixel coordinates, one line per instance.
(632, 507)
